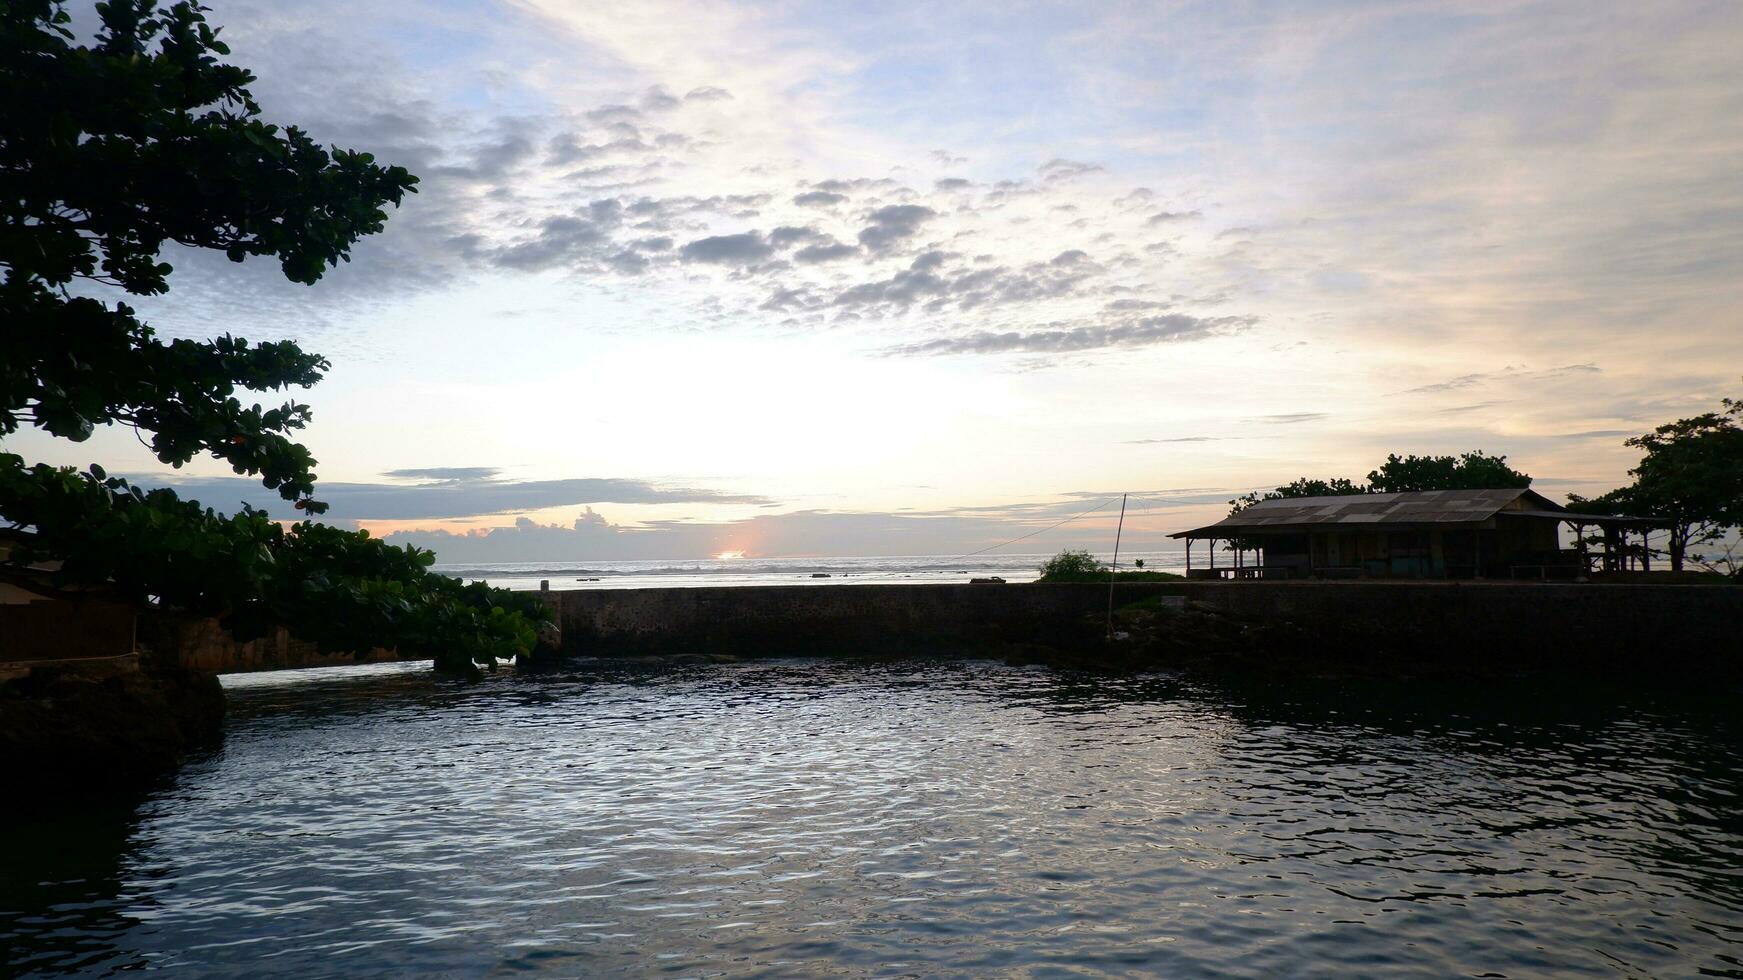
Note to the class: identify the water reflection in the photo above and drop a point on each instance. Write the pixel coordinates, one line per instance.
(912, 816)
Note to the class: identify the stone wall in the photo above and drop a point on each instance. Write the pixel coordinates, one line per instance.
(1641, 627)
(179, 642)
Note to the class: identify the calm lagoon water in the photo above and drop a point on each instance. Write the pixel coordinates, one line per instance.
(906, 818)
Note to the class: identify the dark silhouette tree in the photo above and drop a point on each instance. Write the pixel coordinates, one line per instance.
(109, 152)
(1474, 470)
(1690, 480)
(1467, 471)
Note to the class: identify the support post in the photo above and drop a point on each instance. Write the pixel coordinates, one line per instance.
(1114, 569)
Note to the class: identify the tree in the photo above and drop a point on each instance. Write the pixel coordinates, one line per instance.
(1466, 471)
(1690, 481)
(1070, 566)
(1474, 470)
(111, 151)
(1303, 487)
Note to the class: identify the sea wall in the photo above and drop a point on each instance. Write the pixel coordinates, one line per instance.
(1633, 627)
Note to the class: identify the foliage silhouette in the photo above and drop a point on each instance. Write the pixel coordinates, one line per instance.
(112, 151)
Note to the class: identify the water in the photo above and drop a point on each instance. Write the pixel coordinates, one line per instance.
(883, 570)
(906, 818)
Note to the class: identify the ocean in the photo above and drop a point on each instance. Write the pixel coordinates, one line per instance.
(692, 573)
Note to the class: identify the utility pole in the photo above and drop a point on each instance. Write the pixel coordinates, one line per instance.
(1114, 570)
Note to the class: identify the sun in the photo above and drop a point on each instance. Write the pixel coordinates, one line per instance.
(729, 555)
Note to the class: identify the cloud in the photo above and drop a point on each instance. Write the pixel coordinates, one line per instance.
(1146, 332)
(445, 473)
(1058, 169)
(741, 249)
(1291, 418)
(1157, 442)
(1170, 217)
(787, 236)
(819, 198)
(447, 492)
(890, 224)
(1508, 374)
(829, 252)
(591, 536)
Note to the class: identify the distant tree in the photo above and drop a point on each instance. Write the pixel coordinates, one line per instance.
(1070, 566)
(109, 151)
(1690, 480)
(1466, 471)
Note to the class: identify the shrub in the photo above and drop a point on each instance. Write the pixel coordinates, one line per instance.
(1071, 566)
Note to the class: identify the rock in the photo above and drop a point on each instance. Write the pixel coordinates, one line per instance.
(66, 738)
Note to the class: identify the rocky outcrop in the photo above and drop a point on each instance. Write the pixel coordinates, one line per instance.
(66, 737)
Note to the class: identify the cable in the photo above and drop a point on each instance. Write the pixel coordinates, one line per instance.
(1043, 530)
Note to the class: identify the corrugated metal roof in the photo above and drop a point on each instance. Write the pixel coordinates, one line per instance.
(1419, 507)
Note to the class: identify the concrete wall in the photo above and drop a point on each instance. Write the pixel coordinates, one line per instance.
(1641, 626)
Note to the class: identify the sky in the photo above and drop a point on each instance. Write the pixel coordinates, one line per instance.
(827, 279)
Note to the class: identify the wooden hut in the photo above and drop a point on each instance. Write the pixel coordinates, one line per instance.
(1425, 534)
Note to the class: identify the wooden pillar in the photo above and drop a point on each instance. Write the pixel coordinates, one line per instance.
(1188, 557)
(1213, 554)
(1646, 549)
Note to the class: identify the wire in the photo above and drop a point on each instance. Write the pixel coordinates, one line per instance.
(1043, 530)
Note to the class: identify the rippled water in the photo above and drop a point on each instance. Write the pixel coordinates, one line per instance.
(907, 818)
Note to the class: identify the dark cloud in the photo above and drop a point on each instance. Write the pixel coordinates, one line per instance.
(741, 249)
(489, 161)
(591, 536)
(819, 198)
(657, 99)
(1134, 305)
(442, 497)
(927, 281)
(1506, 374)
(927, 261)
(856, 184)
(892, 223)
(946, 159)
(787, 236)
(1146, 332)
(565, 239)
(1062, 169)
(1169, 217)
(606, 114)
(444, 473)
(952, 184)
(1292, 418)
(707, 93)
(566, 148)
(825, 252)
